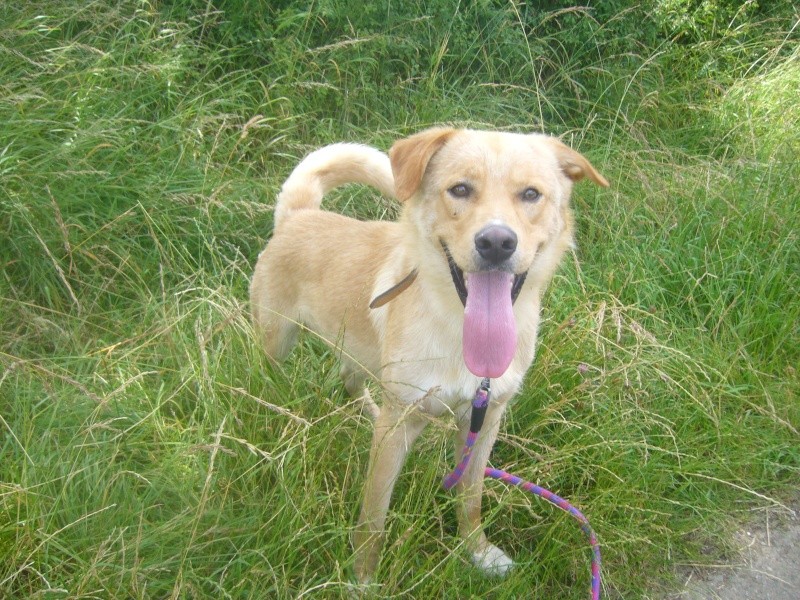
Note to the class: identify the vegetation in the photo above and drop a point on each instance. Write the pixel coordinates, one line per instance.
(149, 451)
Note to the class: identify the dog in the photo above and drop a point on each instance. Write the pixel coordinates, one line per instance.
(427, 305)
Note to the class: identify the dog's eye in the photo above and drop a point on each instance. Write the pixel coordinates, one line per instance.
(460, 190)
(531, 195)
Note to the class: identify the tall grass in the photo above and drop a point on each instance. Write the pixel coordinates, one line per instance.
(149, 450)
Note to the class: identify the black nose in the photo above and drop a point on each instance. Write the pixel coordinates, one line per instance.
(495, 243)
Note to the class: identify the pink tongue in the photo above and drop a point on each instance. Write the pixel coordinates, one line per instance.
(490, 332)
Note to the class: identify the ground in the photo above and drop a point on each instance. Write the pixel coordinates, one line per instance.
(766, 568)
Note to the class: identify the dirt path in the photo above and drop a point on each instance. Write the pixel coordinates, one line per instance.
(768, 568)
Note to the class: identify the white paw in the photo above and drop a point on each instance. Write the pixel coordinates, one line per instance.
(493, 561)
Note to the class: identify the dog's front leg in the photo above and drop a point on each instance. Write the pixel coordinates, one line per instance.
(395, 432)
(485, 555)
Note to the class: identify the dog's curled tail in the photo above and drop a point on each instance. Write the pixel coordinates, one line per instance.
(330, 167)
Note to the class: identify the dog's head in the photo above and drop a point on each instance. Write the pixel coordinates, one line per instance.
(496, 206)
(493, 200)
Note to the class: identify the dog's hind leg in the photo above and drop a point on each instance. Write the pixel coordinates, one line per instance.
(278, 336)
(355, 382)
(273, 309)
(276, 326)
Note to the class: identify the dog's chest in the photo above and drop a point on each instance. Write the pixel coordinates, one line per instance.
(442, 385)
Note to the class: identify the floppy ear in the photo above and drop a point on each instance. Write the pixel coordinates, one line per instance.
(574, 164)
(410, 157)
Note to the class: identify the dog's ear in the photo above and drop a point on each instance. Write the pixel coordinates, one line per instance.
(410, 157)
(574, 164)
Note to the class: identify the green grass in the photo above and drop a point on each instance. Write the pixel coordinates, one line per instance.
(149, 450)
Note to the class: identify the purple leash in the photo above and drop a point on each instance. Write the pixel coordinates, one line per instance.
(479, 406)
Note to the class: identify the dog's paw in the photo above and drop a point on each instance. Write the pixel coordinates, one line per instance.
(492, 561)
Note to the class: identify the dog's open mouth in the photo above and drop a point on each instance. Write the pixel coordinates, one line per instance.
(489, 340)
(460, 283)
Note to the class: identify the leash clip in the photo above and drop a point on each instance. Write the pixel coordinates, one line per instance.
(479, 405)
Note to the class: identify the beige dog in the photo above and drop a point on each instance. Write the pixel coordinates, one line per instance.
(430, 304)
